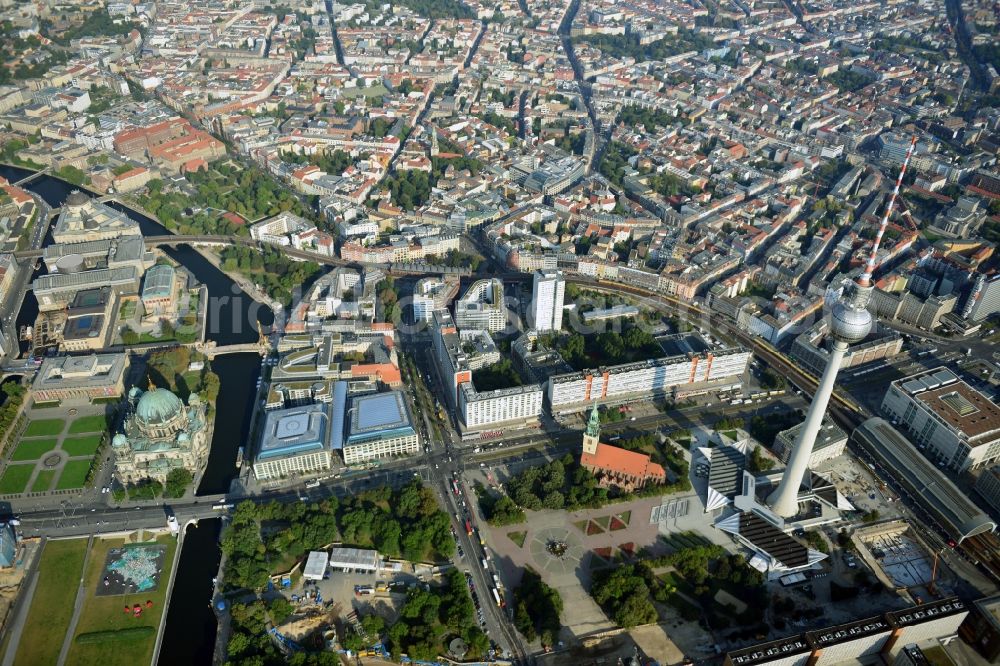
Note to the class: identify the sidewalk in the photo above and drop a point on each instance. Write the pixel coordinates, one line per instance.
(19, 613)
(81, 597)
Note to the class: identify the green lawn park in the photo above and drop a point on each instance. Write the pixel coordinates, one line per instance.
(105, 613)
(33, 449)
(15, 478)
(44, 427)
(94, 423)
(74, 475)
(52, 604)
(43, 481)
(82, 446)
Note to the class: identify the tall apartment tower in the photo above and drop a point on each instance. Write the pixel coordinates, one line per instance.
(985, 298)
(547, 289)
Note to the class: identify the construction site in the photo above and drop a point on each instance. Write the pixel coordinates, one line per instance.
(903, 562)
(329, 609)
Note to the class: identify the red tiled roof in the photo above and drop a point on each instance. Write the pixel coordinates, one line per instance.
(387, 373)
(621, 461)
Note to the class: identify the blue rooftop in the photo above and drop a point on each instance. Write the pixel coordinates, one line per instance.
(379, 415)
(291, 431)
(337, 419)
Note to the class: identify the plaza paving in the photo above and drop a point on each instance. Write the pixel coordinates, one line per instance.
(570, 574)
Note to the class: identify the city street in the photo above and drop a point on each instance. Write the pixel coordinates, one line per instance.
(11, 305)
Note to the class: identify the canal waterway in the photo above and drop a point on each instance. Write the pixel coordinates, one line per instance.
(233, 316)
(189, 635)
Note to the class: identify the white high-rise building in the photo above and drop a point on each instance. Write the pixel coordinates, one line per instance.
(482, 307)
(985, 298)
(547, 291)
(433, 293)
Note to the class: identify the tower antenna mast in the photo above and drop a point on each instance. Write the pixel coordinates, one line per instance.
(865, 279)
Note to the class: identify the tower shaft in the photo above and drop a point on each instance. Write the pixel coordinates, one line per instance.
(784, 500)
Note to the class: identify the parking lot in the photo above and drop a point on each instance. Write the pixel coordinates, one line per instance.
(339, 587)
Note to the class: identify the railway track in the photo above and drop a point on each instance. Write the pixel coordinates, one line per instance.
(842, 408)
(982, 549)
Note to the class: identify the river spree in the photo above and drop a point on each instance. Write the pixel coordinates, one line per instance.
(233, 316)
(189, 635)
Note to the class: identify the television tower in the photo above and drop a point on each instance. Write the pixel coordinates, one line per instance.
(849, 322)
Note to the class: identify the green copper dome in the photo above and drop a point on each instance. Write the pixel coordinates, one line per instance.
(158, 406)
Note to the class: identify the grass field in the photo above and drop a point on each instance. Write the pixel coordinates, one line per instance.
(105, 613)
(43, 481)
(373, 91)
(95, 423)
(517, 537)
(46, 427)
(32, 449)
(15, 479)
(74, 475)
(82, 446)
(52, 604)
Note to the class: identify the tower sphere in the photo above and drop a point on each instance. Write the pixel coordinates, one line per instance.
(849, 323)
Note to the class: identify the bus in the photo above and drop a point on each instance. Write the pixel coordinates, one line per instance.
(222, 506)
(454, 488)
(496, 597)
(468, 527)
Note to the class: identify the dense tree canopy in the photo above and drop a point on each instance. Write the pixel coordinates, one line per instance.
(498, 509)
(246, 191)
(624, 46)
(537, 609)
(436, 9)
(403, 523)
(615, 161)
(98, 23)
(178, 481)
(559, 484)
(409, 189)
(632, 116)
(634, 343)
(250, 644)
(431, 616)
(334, 162)
(848, 81)
(624, 596)
(277, 274)
(501, 122)
(500, 375)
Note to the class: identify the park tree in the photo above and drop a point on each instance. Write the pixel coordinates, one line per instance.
(177, 483)
(625, 596)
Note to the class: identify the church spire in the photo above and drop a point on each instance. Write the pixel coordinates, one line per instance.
(594, 424)
(592, 435)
